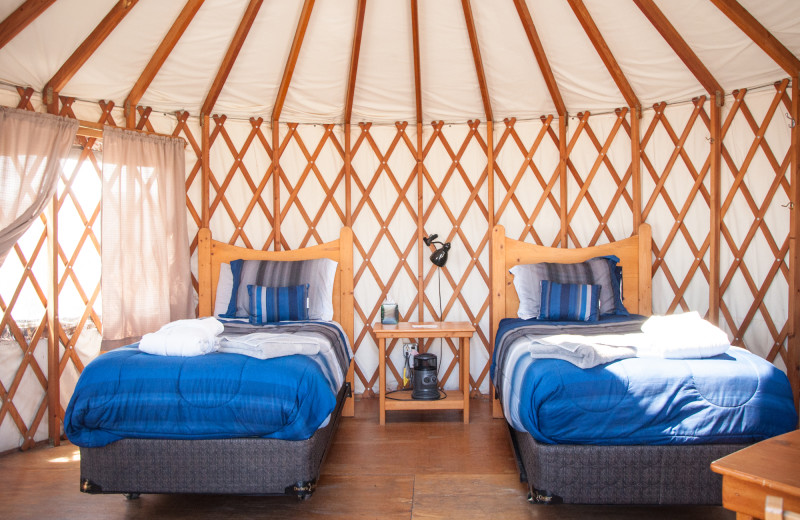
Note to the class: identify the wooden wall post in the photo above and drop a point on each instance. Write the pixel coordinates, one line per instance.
(715, 157)
(793, 342)
(53, 351)
(205, 187)
(420, 229)
(636, 163)
(348, 176)
(562, 175)
(276, 186)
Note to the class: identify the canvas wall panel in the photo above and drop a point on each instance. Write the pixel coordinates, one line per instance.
(676, 203)
(312, 184)
(527, 192)
(384, 195)
(240, 192)
(599, 202)
(455, 195)
(755, 221)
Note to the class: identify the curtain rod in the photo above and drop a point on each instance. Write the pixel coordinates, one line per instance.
(95, 130)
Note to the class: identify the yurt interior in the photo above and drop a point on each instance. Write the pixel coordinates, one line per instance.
(399, 259)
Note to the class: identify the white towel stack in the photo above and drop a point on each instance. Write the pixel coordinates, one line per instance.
(184, 338)
(682, 336)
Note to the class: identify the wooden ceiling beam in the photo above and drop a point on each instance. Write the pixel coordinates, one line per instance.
(162, 53)
(759, 34)
(351, 81)
(579, 8)
(541, 57)
(682, 49)
(417, 68)
(86, 49)
(294, 53)
(476, 57)
(20, 18)
(230, 56)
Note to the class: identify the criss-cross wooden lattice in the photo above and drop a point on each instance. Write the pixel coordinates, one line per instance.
(386, 211)
(319, 175)
(26, 257)
(468, 179)
(585, 205)
(374, 237)
(239, 215)
(768, 245)
(695, 193)
(530, 188)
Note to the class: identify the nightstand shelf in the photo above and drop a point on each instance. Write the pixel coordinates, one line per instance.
(456, 399)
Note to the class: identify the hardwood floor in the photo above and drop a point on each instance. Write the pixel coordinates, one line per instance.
(421, 465)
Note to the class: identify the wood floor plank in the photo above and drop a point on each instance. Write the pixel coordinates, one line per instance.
(420, 465)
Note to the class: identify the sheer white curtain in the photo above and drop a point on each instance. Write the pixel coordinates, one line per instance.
(33, 148)
(146, 278)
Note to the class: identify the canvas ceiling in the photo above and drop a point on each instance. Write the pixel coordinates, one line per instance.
(384, 90)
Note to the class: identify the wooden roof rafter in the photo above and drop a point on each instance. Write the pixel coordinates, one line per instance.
(160, 56)
(759, 34)
(21, 18)
(85, 51)
(294, 53)
(230, 56)
(351, 82)
(541, 57)
(417, 67)
(682, 49)
(476, 56)
(599, 43)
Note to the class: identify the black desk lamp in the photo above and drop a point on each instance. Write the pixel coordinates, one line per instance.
(438, 257)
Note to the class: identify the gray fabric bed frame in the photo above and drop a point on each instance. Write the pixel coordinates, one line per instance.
(589, 474)
(244, 466)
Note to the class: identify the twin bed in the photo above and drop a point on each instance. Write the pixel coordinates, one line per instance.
(221, 423)
(640, 429)
(600, 434)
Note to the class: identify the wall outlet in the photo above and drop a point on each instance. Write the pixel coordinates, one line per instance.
(408, 347)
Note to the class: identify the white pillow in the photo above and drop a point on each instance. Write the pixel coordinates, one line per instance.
(224, 288)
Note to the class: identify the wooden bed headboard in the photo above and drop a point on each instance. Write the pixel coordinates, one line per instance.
(634, 254)
(635, 258)
(211, 253)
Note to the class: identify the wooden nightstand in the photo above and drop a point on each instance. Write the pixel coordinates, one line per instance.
(455, 400)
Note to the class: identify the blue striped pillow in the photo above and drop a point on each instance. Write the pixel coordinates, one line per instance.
(273, 304)
(569, 302)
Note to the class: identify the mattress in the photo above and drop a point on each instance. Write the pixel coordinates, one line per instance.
(130, 394)
(734, 398)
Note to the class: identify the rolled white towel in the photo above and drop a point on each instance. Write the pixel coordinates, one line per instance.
(682, 336)
(184, 338)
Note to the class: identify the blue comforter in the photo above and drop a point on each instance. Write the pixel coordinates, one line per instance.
(736, 397)
(128, 393)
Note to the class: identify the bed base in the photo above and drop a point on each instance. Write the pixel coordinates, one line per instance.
(242, 466)
(588, 474)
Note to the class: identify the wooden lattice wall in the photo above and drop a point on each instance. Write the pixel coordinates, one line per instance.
(394, 185)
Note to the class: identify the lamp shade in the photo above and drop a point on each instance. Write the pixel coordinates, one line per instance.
(439, 257)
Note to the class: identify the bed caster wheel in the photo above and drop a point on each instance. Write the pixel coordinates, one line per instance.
(131, 496)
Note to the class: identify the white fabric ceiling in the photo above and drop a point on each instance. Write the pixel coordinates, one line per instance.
(385, 85)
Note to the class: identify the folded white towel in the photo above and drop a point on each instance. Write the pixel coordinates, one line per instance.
(682, 336)
(581, 351)
(264, 345)
(183, 338)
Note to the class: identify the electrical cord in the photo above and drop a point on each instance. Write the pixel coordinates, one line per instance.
(441, 318)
